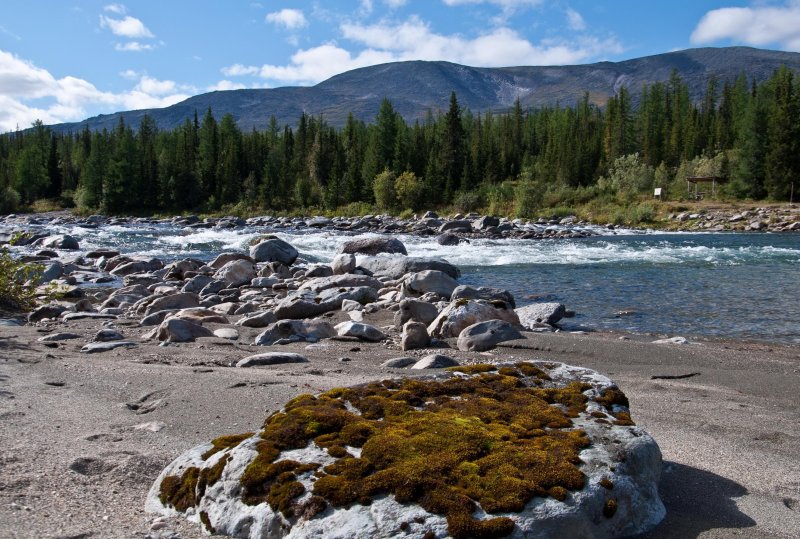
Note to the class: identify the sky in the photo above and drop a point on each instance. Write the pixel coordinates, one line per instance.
(66, 60)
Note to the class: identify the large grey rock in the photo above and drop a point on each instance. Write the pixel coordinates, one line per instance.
(199, 315)
(483, 292)
(456, 226)
(61, 241)
(236, 273)
(343, 264)
(138, 266)
(181, 300)
(463, 312)
(270, 358)
(177, 330)
(435, 361)
(415, 336)
(373, 246)
(621, 466)
(341, 281)
(107, 335)
(395, 267)
(540, 313)
(257, 320)
(52, 270)
(416, 310)
(486, 335)
(274, 250)
(448, 239)
(429, 281)
(197, 283)
(51, 310)
(224, 258)
(295, 331)
(485, 222)
(399, 362)
(58, 337)
(319, 270)
(359, 330)
(97, 347)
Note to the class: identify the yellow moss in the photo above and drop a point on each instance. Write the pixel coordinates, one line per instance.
(473, 369)
(624, 419)
(447, 445)
(207, 522)
(225, 442)
(606, 483)
(611, 396)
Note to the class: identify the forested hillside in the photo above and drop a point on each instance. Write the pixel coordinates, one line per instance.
(513, 163)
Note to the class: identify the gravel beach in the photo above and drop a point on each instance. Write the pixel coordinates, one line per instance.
(84, 435)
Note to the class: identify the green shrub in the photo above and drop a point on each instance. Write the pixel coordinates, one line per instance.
(409, 190)
(384, 190)
(17, 283)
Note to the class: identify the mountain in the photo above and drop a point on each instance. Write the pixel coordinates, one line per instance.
(418, 87)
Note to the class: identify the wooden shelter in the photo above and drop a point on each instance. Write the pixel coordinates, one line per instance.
(697, 180)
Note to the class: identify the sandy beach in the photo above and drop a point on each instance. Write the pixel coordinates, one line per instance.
(79, 451)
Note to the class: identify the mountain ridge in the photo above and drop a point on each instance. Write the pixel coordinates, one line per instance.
(416, 87)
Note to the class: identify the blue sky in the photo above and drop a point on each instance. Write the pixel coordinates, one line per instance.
(64, 60)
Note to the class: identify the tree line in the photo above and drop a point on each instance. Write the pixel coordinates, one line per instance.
(741, 130)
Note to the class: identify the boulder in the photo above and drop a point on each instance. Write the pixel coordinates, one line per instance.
(359, 330)
(54, 337)
(197, 283)
(270, 358)
(61, 241)
(399, 362)
(53, 270)
(236, 273)
(108, 334)
(274, 250)
(257, 320)
(456, 225)
(463, 312)
(373, 246)
(576, 478)
(395, 267)
(226, 333)
(341, 281)
(486, 335)
(540, 313)
(295, 331)
(97, 347)
(182, 300)
(448, 239)
(429, 281)
(224, 258)
(178, 330)
(485, 222)
(51, 310)
(199, 315)
(416, 310)
(307, 304)
(137, 266)
(435, 361)
(343, 264)
(483, 292)
(415, 336)
(318, 270)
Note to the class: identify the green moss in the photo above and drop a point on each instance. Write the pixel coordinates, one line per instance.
(447, 445)
(473, 369)
(610, 508)
(612, 396)
(209, 476)
(207, 522)
(180, 492)
(225, 442)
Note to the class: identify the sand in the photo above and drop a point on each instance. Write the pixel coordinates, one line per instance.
(78, 451)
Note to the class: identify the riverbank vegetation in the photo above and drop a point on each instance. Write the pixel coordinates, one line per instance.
(600, 162)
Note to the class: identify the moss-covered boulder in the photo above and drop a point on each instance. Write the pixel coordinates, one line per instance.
(514, 450)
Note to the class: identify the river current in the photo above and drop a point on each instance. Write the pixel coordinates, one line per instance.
(737, 285)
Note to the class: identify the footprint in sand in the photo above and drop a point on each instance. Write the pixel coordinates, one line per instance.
(148, 402)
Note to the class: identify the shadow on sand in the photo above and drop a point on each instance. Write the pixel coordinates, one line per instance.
(697, 501)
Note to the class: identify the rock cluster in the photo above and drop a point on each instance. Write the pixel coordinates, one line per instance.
(763, 219)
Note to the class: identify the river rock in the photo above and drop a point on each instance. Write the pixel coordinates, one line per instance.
(415, 336)
(61, 241)
(359, 330)
(295, 331)
(483, 292)
(236, 273)
(457, 226)
(53, 270)
(318, 270)
(399, 362)
(540, 313)
(274, 250)
(434, 281)
(97, 347)
(485, 222)
(270, 358)
(199, 315)
(448, 239)
(107, 335)
(51, 310)
(137, 266)
(226, 333)
(182, 300)
(373, 246)
(343, 264)
(197, 283)
(177, 330)
(341, 281)
(395, 267)
(307, 304)
(486, 335)
(257, 320)
(463, 312)
(58, 337)
(435, 361)
(416, 310)
(607, 474)
(224, 258)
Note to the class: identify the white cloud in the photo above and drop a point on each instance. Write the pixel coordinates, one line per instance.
(292, 19)
(575, 20)
(365, 7)
(226, 85)
(119, 9)
(133, 46)
(130, 74)
(394, 4)
(758, 26)
(414, 40)
(70, 98)
(129, 27)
